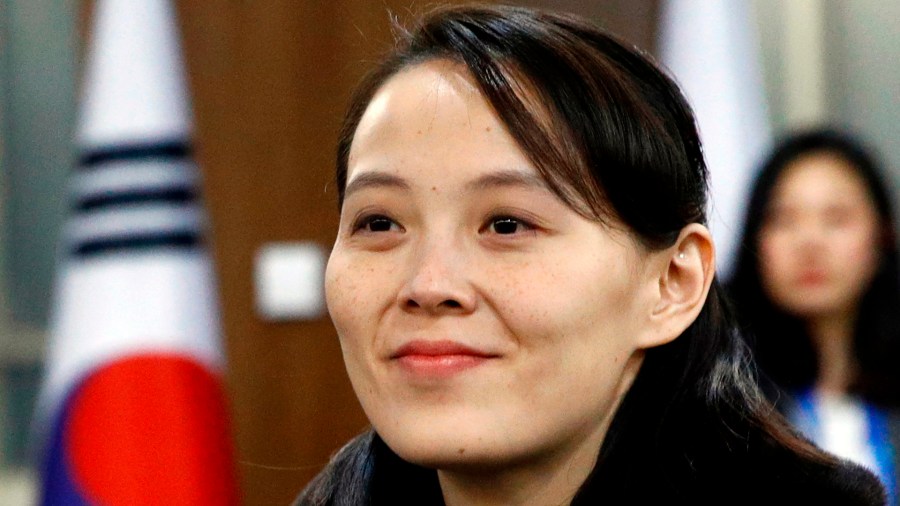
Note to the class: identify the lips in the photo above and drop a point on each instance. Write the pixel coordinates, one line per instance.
(439, 358)
(812, 277)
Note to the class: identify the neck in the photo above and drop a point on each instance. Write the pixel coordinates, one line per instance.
(832, 336)
(550, 484)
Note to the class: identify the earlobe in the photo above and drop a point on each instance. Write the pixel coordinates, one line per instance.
(686, 270)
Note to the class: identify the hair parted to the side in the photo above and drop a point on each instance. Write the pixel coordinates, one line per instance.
(615, 139)
(780, 341)
(566, 91)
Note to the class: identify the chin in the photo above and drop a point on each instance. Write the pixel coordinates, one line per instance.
(451, 458)
(446, 442)
(438, 450)
(811, 308)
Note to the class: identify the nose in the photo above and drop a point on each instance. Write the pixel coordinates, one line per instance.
(811, 236)
(437, 282)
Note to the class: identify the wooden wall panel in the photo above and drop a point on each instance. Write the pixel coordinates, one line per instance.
(270, 80)
(632, 20)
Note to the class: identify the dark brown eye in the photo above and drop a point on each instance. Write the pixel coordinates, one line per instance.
(505, 226)
(379, 224)
(508, 225)
(375, 223)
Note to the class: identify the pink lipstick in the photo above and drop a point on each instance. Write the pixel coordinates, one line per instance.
(439, 358)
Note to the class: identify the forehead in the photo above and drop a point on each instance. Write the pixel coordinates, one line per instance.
(821, 177)
(432, 114)
(431, 84)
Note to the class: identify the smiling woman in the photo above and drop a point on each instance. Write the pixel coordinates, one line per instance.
(438, 286)
(524, 291)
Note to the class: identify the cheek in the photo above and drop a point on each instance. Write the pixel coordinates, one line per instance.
(520, 295)
(857, 253)
(353, 296)
(589, 318)
(773, 247)
(775, 257)
(341, 291)
(577, 344)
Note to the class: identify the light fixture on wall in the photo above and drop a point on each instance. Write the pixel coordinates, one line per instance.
(288, 279)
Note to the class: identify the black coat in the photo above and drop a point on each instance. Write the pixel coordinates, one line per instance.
(365, 472)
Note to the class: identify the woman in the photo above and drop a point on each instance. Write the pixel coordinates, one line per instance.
(523, 285)
(817, 284)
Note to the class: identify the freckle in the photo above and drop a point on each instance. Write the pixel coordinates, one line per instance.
(434, 188)
(419, 132)
(487, 129)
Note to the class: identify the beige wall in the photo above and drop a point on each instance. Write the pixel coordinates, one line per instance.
(834, 62)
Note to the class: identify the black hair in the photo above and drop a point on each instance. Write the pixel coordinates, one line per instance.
(614, 137)
(781, 342)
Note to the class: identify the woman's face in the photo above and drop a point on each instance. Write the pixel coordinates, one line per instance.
(819, 244)
(482, 321)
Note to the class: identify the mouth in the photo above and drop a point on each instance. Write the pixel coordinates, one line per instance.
(812, 278)
(439, 358)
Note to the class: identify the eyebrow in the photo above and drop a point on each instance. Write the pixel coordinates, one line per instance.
(375, 180)
(503, 178)
(507, 178)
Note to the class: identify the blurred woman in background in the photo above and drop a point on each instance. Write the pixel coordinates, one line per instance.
(817, 290)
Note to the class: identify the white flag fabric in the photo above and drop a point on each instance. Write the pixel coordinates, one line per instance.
(712, 50)
(133, 411)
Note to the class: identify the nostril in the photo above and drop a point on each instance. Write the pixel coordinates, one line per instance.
(430, 304)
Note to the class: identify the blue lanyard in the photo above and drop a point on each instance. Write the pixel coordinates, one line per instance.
(880, 441)
(806, 418)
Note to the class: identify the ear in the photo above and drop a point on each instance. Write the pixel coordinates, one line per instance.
(684, 272)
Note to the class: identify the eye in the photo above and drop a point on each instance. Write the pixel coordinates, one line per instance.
(838, 217)
(508, 225)
(780, 218)
(375, 223)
